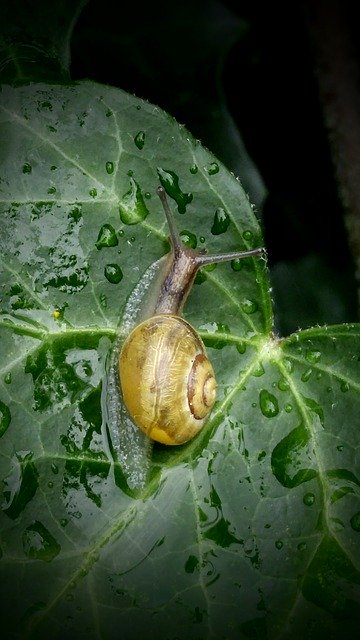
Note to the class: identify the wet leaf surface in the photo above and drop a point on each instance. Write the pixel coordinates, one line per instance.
(250, 530)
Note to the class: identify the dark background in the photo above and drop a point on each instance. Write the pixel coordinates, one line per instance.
(230, 69)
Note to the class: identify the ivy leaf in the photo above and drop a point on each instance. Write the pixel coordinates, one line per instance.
(251, 529)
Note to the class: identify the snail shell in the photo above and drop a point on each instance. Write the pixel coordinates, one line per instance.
(167, 383)
(167, 380)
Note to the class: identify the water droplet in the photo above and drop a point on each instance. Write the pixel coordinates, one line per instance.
(279, 544)
(27, 168)
(170, 181)
(293, 460)
(191, 564)
(193, 169)
(53, 167)
(340, 447)
(258, 371)
(5, 418)
(51, 190)
(7, 378)
(355, 521)
(64, 522)
(113, 273)
(241, 347)
(50, 484)
(147, 195)
(109, 167)
(93, 193)
(54, 468)
(189, 239)
(202, 239)
(283, 384)
(212, 168)
(313, 356)
(302, 546)
(288, 407)
(237, 264)
(107, 237)
(249, 306)
(39, 543)
(288, 364)
(221, 221)
(309, 499)
(344, 386)
(121, 233)
(132, 206)
(140, 139)
(306, 375)
(248, 235)
(20, 485)
(268, 404)
(130, 173)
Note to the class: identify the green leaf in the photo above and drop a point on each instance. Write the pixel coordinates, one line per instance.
(251, 530)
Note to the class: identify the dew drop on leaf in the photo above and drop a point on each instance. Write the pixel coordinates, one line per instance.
(140, 139)
(212, 168)
(221, 222)
(39, 543)
(93, 193)
(283, 384)
(170, 181)
(27, 168)
(258, 371)
(191, 564)
(20, 485)
(313, 356)
(355, 521)
(344, 386)
(107, 237)
(248, 236)
(5, 418)
(293, 460)
(249, 306)
(237, 264)
(302, 546)
(288, 407)
(309, 499)
(193, 169)
(268, 404)
(54, 468)
(132, 207)
(189, 239)
(7, 378)
(288, 365)
(279, 544)
(113, 273)
(109, 166)
(306, 375)
(241, 347)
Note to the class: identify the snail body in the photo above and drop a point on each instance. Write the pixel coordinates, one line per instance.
(167, 381)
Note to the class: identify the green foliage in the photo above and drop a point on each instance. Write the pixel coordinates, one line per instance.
(252, 529)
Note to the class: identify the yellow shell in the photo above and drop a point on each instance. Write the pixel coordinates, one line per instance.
(167, 381)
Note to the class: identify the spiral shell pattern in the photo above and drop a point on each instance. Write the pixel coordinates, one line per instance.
(167, 381)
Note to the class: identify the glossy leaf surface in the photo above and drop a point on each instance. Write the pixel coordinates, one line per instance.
(252, 529)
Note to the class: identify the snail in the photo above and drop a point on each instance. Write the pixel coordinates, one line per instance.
(167, 381)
